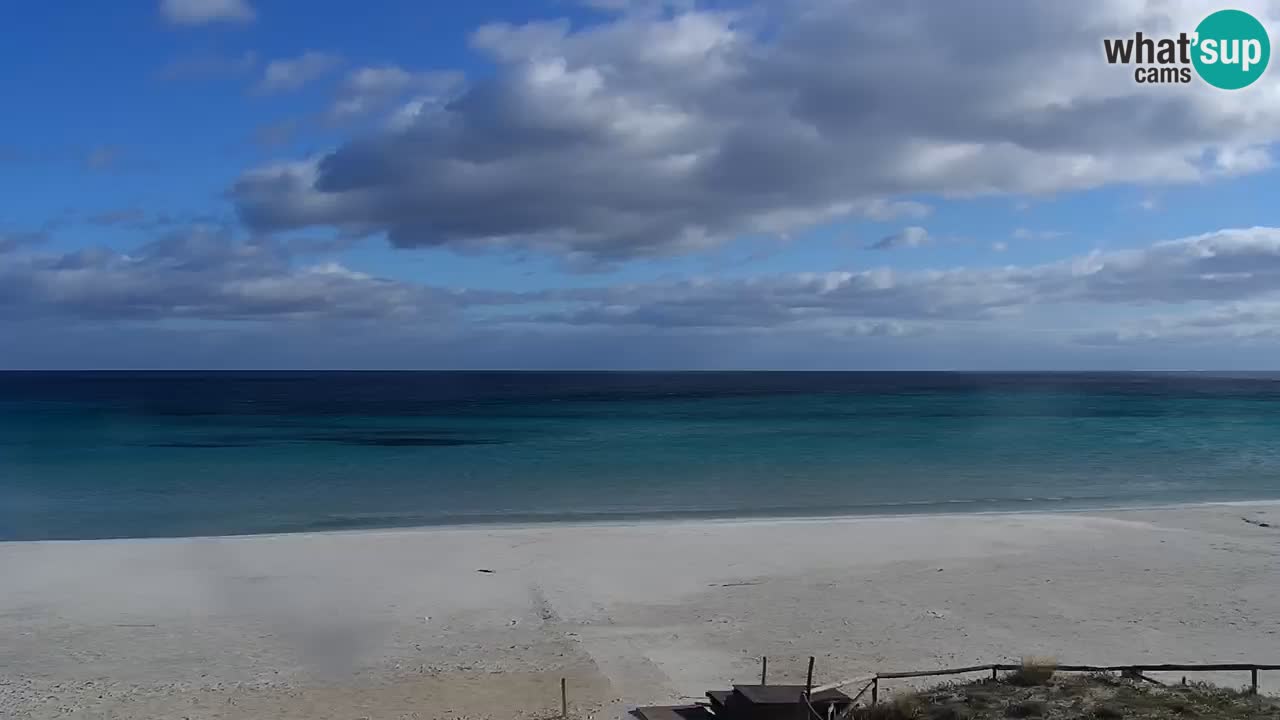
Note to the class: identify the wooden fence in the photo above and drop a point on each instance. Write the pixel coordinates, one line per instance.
(872, 682)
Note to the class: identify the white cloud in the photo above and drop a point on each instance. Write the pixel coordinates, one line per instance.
(653, 134)
(202, 12)
(201, 272)
(1223, 285)
(1228, 324)
(884, 210)
(1224, 266)
(374, 89)
(204, 271)
(908, 237)
(289, 74)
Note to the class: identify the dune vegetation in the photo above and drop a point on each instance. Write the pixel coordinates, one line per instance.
(1043, 695)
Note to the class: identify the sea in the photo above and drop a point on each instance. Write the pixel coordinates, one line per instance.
(163, 454)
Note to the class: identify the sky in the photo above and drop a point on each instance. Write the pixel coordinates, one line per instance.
(629, 184)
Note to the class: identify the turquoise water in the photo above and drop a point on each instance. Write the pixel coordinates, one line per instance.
(162, 454)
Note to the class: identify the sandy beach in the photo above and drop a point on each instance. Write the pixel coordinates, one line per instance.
(484, 621)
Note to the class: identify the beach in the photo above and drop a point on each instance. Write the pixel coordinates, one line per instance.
(484, 621)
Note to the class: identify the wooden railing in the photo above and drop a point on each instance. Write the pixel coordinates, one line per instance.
(873, 681)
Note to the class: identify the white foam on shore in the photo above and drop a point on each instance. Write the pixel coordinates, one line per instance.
(658, 520)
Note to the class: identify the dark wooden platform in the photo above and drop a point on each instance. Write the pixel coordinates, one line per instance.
(719, 700)
(785, 694)
(749, 702)
(673, 712)
(771, 702)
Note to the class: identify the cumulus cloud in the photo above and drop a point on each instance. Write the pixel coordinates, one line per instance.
(374, 89)
(1232, 324)
(1232, 315)
(1224, 283)
(885, 210)
(203, 12)
(651, 134)
(288, 74)
(201, 272)
(908, 237)
(1224, 266)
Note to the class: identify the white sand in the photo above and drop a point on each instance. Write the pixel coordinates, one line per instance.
(399, 624)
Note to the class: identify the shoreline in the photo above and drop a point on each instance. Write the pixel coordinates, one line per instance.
(695, 518)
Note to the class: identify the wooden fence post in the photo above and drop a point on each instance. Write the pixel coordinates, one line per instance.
(564, 701)
(1253, 677)
(764, 670)
(808, 683)
(875, 690)
(993, 673)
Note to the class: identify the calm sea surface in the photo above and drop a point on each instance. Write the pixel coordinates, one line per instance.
(89, 455)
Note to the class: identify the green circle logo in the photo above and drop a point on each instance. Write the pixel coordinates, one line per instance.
(1232, 49)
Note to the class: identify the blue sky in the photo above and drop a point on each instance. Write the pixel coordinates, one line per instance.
(628, 184)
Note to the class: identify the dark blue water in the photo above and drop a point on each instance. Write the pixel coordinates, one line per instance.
(86, 455)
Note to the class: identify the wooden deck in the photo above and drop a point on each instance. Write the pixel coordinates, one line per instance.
(750, 702)
(674, 712)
